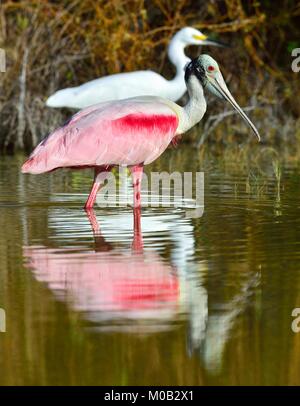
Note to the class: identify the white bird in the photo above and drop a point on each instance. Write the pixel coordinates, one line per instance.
(139, 83)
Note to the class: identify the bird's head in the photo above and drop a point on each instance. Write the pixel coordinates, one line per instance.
(207, 71)
(191, 36)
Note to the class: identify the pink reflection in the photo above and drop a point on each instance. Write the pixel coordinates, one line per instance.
(108, 284)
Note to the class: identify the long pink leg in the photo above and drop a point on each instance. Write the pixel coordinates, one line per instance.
(137, 244)
(98, 182)
(137, 174)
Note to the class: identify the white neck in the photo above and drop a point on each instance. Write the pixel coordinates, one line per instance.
(177, 86)
(195, 109)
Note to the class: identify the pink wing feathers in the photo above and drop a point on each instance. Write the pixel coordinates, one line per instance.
(126, 132)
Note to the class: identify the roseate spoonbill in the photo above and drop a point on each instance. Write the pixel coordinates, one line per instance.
(131, 132)
(132, 84)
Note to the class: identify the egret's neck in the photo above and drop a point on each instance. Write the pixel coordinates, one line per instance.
(178, 58)
(195, 109)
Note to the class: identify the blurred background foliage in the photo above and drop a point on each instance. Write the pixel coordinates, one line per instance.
(53, 44)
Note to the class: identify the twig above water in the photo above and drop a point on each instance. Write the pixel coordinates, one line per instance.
(215, 120)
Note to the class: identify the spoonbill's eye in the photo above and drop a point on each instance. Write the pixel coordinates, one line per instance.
(210, 68)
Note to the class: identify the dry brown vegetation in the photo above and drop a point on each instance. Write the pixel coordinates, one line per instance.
(55, 44)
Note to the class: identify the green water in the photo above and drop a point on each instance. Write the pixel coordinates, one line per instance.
(208, 301)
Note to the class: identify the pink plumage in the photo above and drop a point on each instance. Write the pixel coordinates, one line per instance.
(116, 133)
(130, 132)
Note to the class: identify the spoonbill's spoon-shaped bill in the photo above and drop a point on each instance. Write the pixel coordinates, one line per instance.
(132, 132)
(208, 72)
(139, 83)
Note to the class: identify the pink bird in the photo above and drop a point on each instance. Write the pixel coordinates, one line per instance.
(132, 132)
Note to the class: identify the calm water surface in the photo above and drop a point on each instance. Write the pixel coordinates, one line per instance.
(204, 301)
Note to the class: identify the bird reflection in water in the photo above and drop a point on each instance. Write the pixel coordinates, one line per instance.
(136, 290)
(117, 290)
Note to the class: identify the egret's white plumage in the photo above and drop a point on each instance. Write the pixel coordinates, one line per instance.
(132, 84)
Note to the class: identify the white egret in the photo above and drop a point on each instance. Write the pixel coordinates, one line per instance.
(139, 83)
